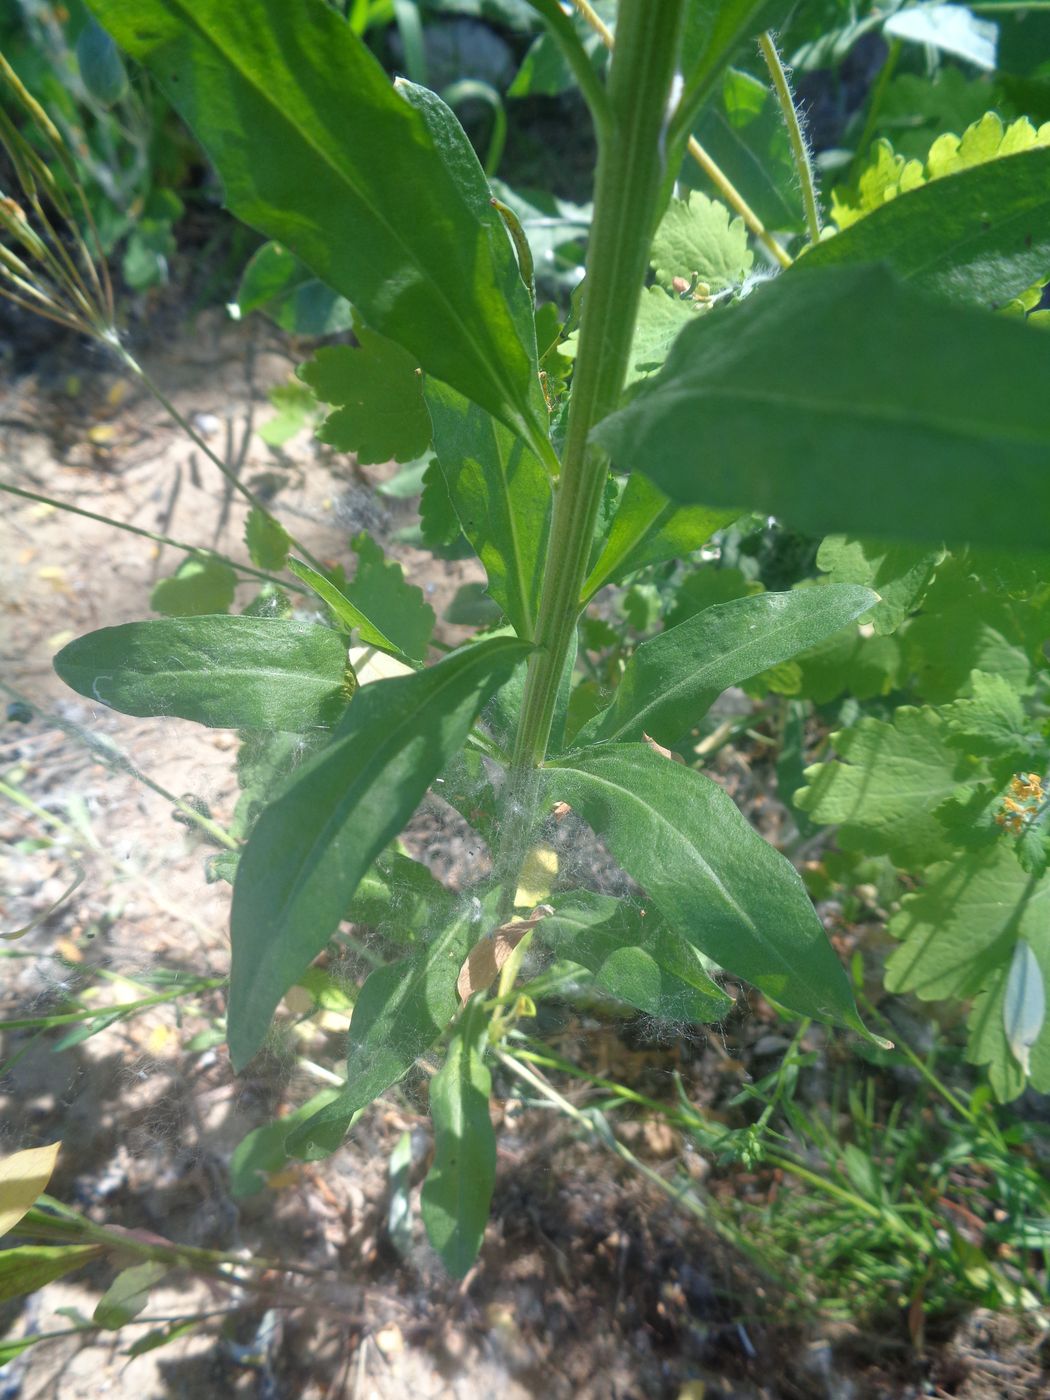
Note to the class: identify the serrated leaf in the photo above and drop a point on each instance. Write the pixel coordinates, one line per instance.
(311, 847)
(709, 873)
(670, 681)
(661, 318)
(391, 206)
(379, 392)
(910, 413)
(698, 237)
(267, 540)
(198, 587)
(31, 1266)
(262, 1152)
(884, 790)
(458, 1188)
(850, 663)
(128, 1294)
(23, 1176)
(647, 528)
(958, 935)
(991, 722)
(400, 1011)
(439, 523)
(396, 608)
(502, 497)
(898, 573)
(978, 236)
(634, 956)
(226, 672)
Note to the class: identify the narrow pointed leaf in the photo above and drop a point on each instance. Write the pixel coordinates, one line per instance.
(980, 236)
(343, 610)
(226, 672)
(458, 1189)
(709, 873)
(128, 1294)
(501, 495)
(846, 403)
(317, 149)
(670, 682)
(310, 848)
(1024, 1004)
(31, 1266)
(23, 1176)
(400, 1011)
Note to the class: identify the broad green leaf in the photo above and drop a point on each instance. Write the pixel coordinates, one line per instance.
(884, 792)
(709, 873)
(458, 1189)
(707, 585)
(311, 847)
(647, 529)
(400, 1011)
(742, 130)
(981, 235)
(670, 681)
(501, 495)
(661, 316)
(267, 540)
(396, 608)
(439, 527)
(892, 416)
(968, 624)
(400, 899)
(198, 587)
(29, 1267)
(262, 1152)
(850, 663)
(634, 957)
(958, 938)
(381, 413)
(900, 574)
(991, 721)
(23, 1176)
(380, 196)
(698, 237)
(128, 1294)
(276, 283)
(226, 672)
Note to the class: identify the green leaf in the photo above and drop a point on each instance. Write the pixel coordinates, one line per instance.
(262, 1152)
(128, 1294)
(29, 1267)
(380, 196)
(381, 414)
(295, 406)
(344, 611)
(647, 529)
(959, 936)
(310, 848)
(634, 956)
(439, 526)
(670, 681)
(100, 65)
(709, 873)
(982, 235)
(400, 1011)
(267, 540)
(714, 30)
(458, 1188)
(226, 672)
(161, 1336)
(885, 791)
(911, 402)
(397, 609)
(23, 1176)
(502, 497)
(707, 585)
(661, 317)
(198, 587)
(849, 663)
(900, 574)
(400, 899)
(697, 237)
(276, 283)
(991, 722)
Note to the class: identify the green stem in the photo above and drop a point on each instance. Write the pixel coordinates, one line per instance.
(202, 550)
(799, 149)
(627, 186)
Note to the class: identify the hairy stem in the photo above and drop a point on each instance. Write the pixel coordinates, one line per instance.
(799, 149)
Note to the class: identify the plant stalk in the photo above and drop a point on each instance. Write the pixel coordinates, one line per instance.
(799, 149)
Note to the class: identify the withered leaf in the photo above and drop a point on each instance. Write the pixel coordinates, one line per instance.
(488, 955)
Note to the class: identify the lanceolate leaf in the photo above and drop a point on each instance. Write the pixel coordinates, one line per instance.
(400, 1011)
(311, 847)
(981, 236)
(843, 402)
(316, 148)
(634, 956)
(670, 681)
(709, 873)
(458, 1189)
(647, 529)
(227, 672)
(345, 612)
(29, 1267)
(502, 496)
